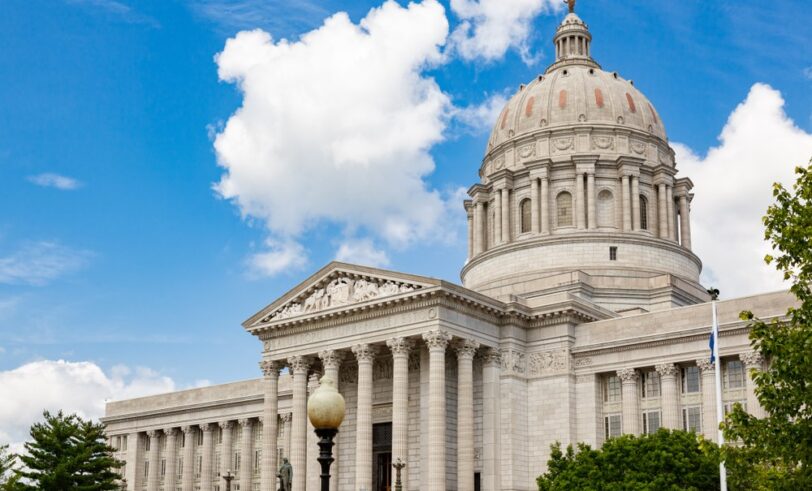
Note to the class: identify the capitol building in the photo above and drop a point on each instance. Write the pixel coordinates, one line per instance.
(580, 317)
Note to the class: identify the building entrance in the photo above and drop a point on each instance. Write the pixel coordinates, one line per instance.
(382, 456)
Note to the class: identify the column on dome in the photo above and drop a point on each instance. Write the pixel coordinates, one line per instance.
(534, 205)
(300, 365)
(579, 200)
(662, 207)
(187, 473)
(400, 348)
(226, 448)
(331, 361)
(669, 198)
(206, 473)
(313, 466)
(635, 203)
(270, 425)
(630, 401)
(154, 470)
(365, 355)
(545, 205)
(469, 214)
(590, 193)
(246, 452)
(624, 192)
(669, 389)
(684, 222)
(465, 413)
(491, 438)
(479, 227)
(710, 424)
(497, 217)
(506, 215)
(437, 341)
(753, 362)
(171, 475)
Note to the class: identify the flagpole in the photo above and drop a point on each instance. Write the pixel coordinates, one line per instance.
(719, 407)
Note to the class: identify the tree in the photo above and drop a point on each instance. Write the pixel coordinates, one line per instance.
(665, 460)
(776, 451)
(7, 461)
(67, 452)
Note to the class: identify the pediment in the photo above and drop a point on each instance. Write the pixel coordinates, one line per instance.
(339, 285)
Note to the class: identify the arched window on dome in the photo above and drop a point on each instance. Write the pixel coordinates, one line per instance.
(563, 209)
(643, 213)
(524, 207)
(606, 209)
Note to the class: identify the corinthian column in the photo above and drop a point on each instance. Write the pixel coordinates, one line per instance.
(534, 205)
(188, 476)
(208, 457)
(662, 207)
(491, 441)
(669, 208)
(590, 194)
(624, 193)
(684, 222)
(670, 394)
(506, 216)
(545, 206)
(400, 348)
(579, 200)
(363, 415)
(246, 452)
(270, 409)
(313, 468)
(437, 341)
(479, 228)
(635, 203)
(465, 413)
(298, 451)
(631, 404)
(497, 217)
(710, 425)
(331, 361)
(470, 219)
(154, 476)
(753, 362)
(226, 450)
(171, 477)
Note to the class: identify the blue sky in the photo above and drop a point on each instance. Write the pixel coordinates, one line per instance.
(115, 246)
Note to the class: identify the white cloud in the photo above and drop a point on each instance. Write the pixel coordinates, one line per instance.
(488, 28)
(74, 387)
(336, 128)
(277, 258)
(759, 145)
(808, 72)
(481, 117)
(362, 251)
(38, 263)
(249, 14)
(50, 180)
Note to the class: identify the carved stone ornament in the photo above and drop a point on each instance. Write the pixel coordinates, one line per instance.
(704, 364)
(562, 144)
(226, 425)
(170, 432)
(206, 427)
(752, 359)
(339, 292)
(467, 348)
(513, 362)
(436, 339)
(477, 456)
(603, 142)
(187, 429)
(330, 358)
(527, 151)
(399, 346)
(582, 362)
(663, 157)
(269, 367)
(414, 361)
(299, 364)
(364, 353)
(382, 368)
(153, 434)
(628, 375)
(286, 417)
(499, 162)
(667, 369)
(638, 147)
(547, 363)
(491, 357)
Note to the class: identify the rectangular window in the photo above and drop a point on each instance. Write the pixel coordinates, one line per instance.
(217, 461)
(611, 426)
(146, 469)
(219, 435)
(613, 253)
(237, 463)
(182, 439)
(180, 467)
(650, 384)
(163, 467)
(124, 442)
(611, 389)
(123, 469)
(147, 443)
(690, 380)
(257, 458)
(651, 422)
(199, 466)
(734, 374)
(692, 419)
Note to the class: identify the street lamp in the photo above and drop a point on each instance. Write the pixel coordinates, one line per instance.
(228, 477)
(325, 409)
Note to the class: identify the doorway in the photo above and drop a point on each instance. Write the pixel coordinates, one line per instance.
(382, 456)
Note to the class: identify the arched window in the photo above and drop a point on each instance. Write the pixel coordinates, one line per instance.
(524, 206)
(606, 209)
(563, 207)
(643, 213)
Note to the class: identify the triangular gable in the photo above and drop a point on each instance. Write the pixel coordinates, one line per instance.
(338, 285)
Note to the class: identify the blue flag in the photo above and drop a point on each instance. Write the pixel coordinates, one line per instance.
(711, 342)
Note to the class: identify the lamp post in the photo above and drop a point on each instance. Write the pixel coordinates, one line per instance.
(228, 478)
(325, 409)
(398, 465)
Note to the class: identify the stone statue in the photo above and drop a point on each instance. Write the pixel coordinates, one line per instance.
(285, 476)
(571, 5)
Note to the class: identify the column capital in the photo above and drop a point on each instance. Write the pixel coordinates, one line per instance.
(226, 425)
(187, 429)
(466, 348)
(206, 427)
(492, 357)
(330, 358)
(667, 369)
(399, 346)
(628, 375)
(270, 367)
(170, 431)
(299, 364)
(286, 417)
(705, 365)
(752, 359)
(364, 353)
(245, 422)
(437, 339)
(153, 434)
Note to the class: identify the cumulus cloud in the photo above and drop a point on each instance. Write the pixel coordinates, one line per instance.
(336, 128)
(480, 118)
(38, 263)
(362, 251)
(488, 28)
(51, 180)
(278, 257)
(808, 72)
(74, 387)
(759, 145)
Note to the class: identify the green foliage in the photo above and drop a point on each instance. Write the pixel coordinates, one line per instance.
(7, 461)
(67, 452)
(666, 460)
(776, 451)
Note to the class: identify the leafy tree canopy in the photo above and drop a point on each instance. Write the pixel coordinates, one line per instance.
(665, 460)
(67, 452)
(7, 461)
(778, 448)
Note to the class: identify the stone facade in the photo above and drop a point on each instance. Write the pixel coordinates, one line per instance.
(581, 318)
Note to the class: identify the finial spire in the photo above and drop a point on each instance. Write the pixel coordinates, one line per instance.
(571, 5)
